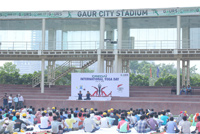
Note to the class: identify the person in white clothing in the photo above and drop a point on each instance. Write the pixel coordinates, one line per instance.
(10, 101)
(185, 125)
(159, 121)
(75, 125)
(104, 121)
(44, 122)
(21, 101)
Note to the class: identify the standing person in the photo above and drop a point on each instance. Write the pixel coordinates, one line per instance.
(88, 96)
(185, 126)
(5, 100)
(21, 101)
(10, 101)
(16, 100)
(171, 125)
(80, 96)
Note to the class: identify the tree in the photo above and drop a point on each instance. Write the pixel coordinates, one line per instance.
(9, 67)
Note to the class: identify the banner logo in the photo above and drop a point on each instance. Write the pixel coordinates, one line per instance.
(99, 91)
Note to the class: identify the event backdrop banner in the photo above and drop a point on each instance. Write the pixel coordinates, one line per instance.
(100, 84)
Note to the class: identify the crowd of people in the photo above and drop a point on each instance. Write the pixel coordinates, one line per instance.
(17, 101)
(64, 120)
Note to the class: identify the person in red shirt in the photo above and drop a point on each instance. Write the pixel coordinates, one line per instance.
(198, 125)
(80, 124)
(123, 126)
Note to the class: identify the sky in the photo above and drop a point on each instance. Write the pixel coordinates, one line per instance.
(45, 5)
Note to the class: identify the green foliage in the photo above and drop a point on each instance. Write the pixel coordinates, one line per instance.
(138, 80)
(8, 67)
(169, 80)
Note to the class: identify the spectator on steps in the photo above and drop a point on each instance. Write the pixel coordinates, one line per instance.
(183, 90)
(189, 89)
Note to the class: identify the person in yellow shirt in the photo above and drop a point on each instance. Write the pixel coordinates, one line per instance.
(70, 121)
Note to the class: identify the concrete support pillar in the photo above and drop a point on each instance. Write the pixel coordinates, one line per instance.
(125, 66)
(109, 66)
(185, 37)
(43, 35)
(176, 52)
(178, 31)
(119, 33)
(52, 40)
(126, 40)
(100, 64)
(100, 60)
(188, 72)
(42, 75)
(119, 64)
(132, 42)
(53, 70)
(49, 71)
(116, 61)
(183, 72)
(178, 77)
(102, 31)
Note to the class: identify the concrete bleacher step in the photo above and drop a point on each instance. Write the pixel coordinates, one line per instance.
(184, 98)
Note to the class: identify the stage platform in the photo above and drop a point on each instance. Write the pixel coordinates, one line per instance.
(92, 98)
(158, 98)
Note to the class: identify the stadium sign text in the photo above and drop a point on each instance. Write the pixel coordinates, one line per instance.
(102, 13)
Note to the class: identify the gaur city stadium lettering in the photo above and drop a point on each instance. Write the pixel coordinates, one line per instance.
(112, 13)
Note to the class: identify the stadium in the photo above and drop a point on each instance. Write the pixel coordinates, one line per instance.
(108, 39)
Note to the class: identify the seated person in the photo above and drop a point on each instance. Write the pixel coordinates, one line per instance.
(44, 122)
(171, 125)
(183, 90)
(123, 126)
(189, 89)
(18, 124)
(90, 125)
(142, 126)
(88, 96)
(80, 96)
